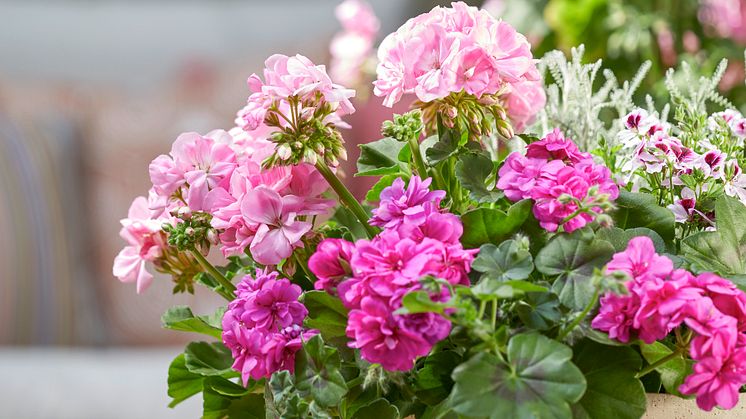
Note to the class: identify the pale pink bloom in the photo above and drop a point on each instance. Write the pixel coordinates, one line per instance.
(278, 231)
(357, 16)
(199, 162)
(297, 76)
(454, 49)
(524, 101)
(726, 17)
(711, 163)
(145, 243)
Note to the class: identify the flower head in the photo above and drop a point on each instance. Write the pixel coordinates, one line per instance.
(263, 326)
(446, 51)
(405, 205)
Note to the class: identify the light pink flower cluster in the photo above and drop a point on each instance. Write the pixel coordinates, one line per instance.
(146, 243)
(252, 207)
(288, 78)
(372, 276)
(351, 48)
(566, 185)
(196, 165)
(726, 17)
(263, 326)
(661, 299)
(459, 48)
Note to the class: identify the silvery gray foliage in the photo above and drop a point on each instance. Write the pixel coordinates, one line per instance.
(574, 106)
(686, 89)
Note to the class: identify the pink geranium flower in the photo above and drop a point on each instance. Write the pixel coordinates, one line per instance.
(640, 261)
(399, 205)
(381, 339)
(331, 263)
(450, 50)
(716, 381)
(199, 162)
(278, 232)
(145, 243)
(554, 146)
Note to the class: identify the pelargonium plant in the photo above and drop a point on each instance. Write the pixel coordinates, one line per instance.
(486, 274)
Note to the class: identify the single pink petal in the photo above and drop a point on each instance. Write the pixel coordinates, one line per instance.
(262, 206)
(270, 246)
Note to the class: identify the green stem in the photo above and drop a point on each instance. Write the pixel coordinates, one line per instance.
(224, 282)
(482, 307)
(494, 314)
(419, 163)
(563, 334)
(650, 368)
(346, 196)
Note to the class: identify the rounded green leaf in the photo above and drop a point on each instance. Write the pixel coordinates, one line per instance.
(537, 380)
(572, 259)
(613, 391)
(489, 225)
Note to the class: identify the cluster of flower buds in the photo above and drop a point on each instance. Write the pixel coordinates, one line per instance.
(480, 117)
(403, 127)
(193, 231)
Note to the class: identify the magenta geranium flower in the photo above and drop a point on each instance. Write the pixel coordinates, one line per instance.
(405, 205)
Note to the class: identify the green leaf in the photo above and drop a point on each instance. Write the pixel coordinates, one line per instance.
(613, 391)
(672, 372)
(445, 147)
(433, 382)
(620, 238)
(208, 359)
(420, 302)
(722, 251)
(572, 259)
(488, 225)
(325, 313)
(539, 380)
(642, 210)
(488, 290)
(472, 171)
(504, 262)
(380, 158)
(346, 218)
(377, 409)
(225, 399)
(182, 383)
(384, 182)
(317, 372)
(181, 318)
(539, 310)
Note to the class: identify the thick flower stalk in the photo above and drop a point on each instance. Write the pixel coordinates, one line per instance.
(660, 299)
(464, 67)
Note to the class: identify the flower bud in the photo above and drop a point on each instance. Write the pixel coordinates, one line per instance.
(185, 213)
